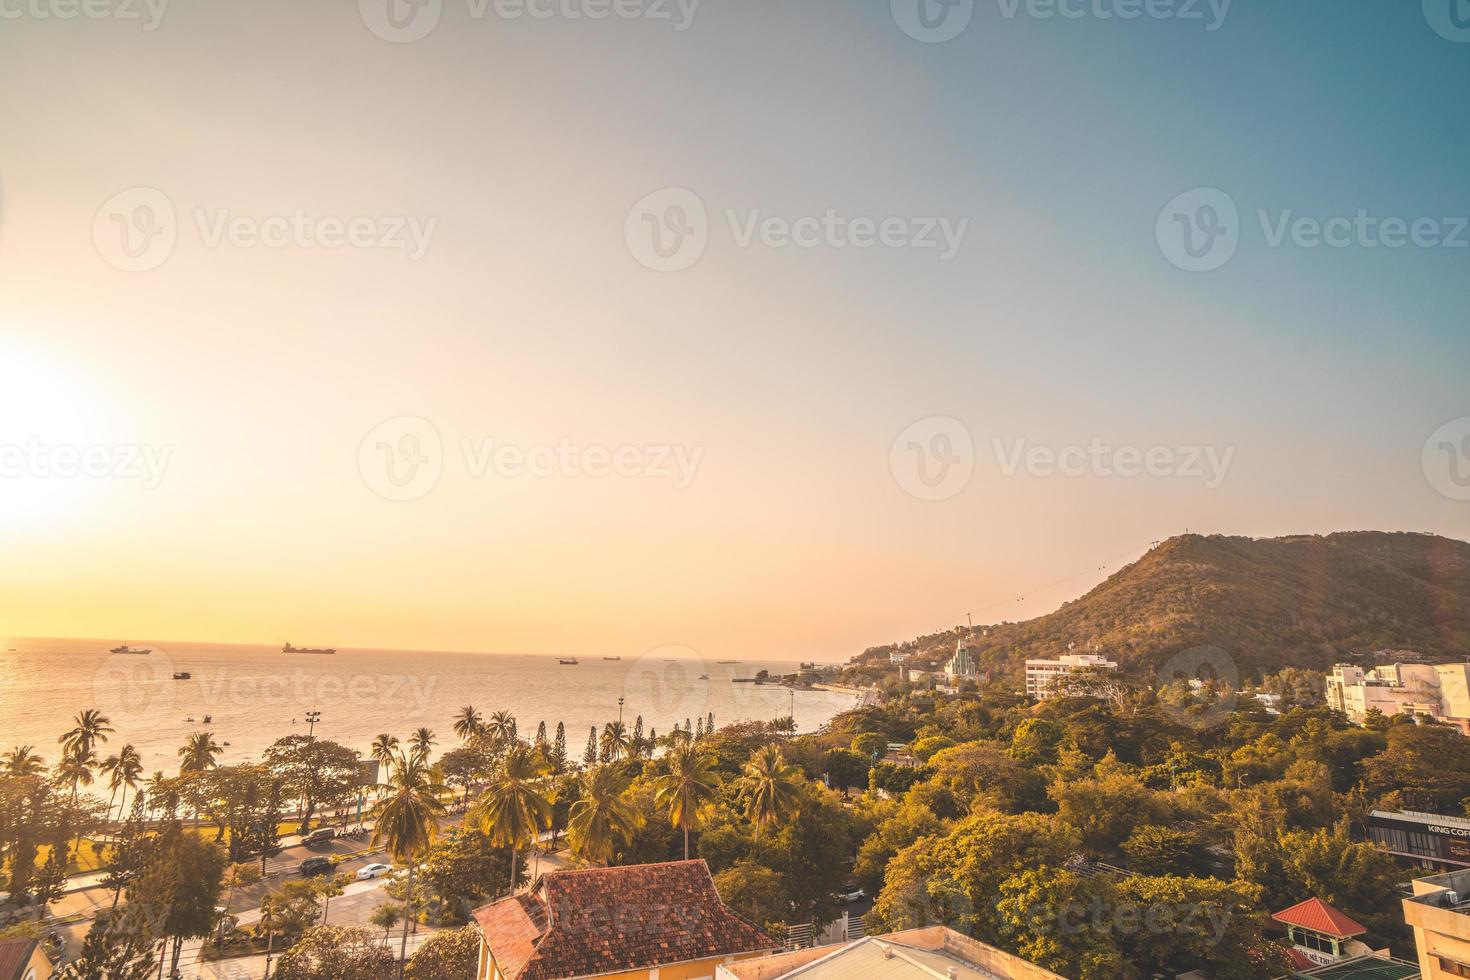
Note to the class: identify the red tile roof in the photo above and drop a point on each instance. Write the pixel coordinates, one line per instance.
(1318, 916)
(14, 955)
(611, 920)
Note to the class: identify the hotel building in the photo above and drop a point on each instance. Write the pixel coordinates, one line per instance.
(1041, 674)
(1437, 691)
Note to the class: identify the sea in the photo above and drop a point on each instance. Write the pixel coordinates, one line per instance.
(249, 696)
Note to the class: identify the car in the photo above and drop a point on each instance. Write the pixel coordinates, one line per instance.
(851, 893)
(316, 866)
(369, 871)
(319, 836)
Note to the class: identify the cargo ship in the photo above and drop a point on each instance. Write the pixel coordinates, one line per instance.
(127, 649)
(568, 661)
(322, 651)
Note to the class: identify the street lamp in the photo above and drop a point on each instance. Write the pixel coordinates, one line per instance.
(312, 717)
(620, 712)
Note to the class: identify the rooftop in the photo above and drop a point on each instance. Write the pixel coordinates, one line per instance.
(613, 920)
(931, 953)
(1317, 916)
(1365, 968)
(14, 955)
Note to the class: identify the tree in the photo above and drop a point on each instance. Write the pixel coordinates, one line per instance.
(559, 748)
(1160, 850)
(385, 916)
(464, 869)
(589, 757)
(119, 946)
(615, 742)
(199, 753)
(501, 727)
(602, 817)
(468, 723)
(315, 771)
(770, 787)
(1035, 742)
(756, 892)
(383, 749)
(335, 953)
(871, 745)
(513, 810)
(131, 850)
(690, 784)
(180, 887)
(461, 767)
(22, 761)
(1108, 807)
(408, 822)
(452, 954)
(90, 730)
(422, 742)
(847, 769)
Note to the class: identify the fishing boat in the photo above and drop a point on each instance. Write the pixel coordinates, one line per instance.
(182, 675)
(704, 677)
(208, 719)
(727, 661)
(129, 650)
(568, 661)
(612, 658)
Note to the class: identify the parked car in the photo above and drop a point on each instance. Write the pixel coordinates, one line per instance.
(316, 866)
(319, 836)
(370, 871)
(851, 893)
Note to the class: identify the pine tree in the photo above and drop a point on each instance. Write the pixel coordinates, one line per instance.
(590, 756)
(49, 884)
(541, 735)
(709, 724)
(699, 730)
(559, 747)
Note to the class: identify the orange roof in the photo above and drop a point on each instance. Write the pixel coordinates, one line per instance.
(1317, 916)
(614, 920)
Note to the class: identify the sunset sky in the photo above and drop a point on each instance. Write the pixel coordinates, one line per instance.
(783, 375)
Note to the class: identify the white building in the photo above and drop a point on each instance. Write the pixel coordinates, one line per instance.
(898, 658)
(962, 665)
(1438, 691)
(1041, 674)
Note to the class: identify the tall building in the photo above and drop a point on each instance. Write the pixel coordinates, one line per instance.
(1437, 691)
(1042, 674)
(1439, 914)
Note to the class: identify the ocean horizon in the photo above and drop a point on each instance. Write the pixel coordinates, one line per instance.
(253, 694)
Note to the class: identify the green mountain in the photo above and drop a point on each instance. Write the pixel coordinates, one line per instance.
(1305, 601)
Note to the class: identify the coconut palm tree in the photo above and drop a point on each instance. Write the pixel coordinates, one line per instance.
(772, 792)
(383, 750)
(161, 793)
(198, 753)
(422, 742)
(408, 821)
(23, 761)
(129, 768)
(468, 723)
(690, 784)
(75, 770)
(603, 815)
(615, 741)
(91, 730)
(501, 727)
(513, 809)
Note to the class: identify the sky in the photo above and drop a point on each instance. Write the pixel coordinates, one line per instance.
(757, 328)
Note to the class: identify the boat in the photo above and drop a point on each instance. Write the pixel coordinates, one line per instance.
(568, 661)
(129, 650)
(208, 719)
(612, 658)
(727, 661)
(704, 677)
(320, 651)
(182, 675)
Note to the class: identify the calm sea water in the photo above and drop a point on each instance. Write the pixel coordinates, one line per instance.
(254, 695)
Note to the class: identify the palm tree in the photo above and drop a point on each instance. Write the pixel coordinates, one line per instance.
(772, 793)
(422, 742)
(689, 785)
(92, 729)
(198, 753)
(23, 761)
(129, 768)
(615, 741)
(75, 770)
(602, 815)
(408, 820)
(513, 810)
(501, 727)
(159, 789)
(468, 723)
(382, 752)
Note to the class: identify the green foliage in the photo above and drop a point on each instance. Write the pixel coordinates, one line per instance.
(453, 954)
(335, 953)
